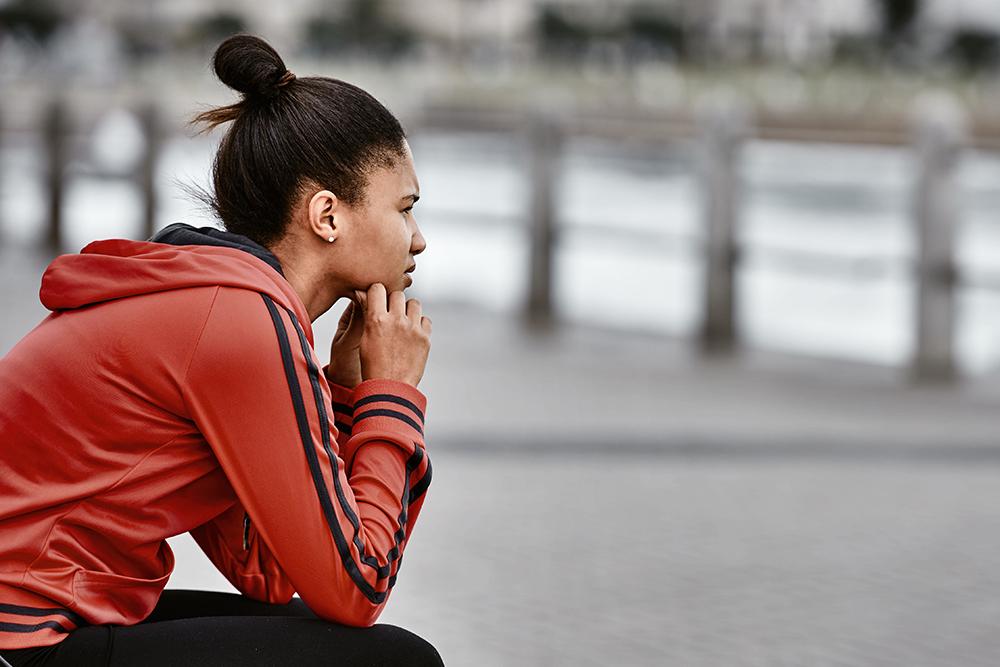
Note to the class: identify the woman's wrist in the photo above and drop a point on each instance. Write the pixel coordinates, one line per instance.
(343, 378)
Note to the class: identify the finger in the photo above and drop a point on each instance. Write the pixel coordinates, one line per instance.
(425, 324)
(414, 310)
(397, 303)
(361, 298)
(345, 317)
(357, 318)
(352, 318)
(376, 299)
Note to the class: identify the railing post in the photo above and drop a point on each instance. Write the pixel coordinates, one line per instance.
(724, 128)
(55, 131)
(545, 145)
(149, 120)
(939, 131)
(2, 138)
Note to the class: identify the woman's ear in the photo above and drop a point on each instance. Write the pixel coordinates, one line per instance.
(322, 209)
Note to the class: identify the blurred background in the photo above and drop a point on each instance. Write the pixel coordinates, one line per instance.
(716, 292)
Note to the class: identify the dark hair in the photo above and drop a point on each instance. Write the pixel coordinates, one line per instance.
(287, 134)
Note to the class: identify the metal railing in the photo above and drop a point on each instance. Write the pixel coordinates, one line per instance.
(937, 132)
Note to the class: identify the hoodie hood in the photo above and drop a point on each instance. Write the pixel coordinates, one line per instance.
(176, 257)
(182, 234)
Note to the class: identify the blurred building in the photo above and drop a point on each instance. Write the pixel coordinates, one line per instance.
(281, 21)
(783, 29)
(958, 14)
(711, 31)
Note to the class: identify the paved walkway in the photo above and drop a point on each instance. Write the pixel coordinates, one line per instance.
(493, 387)
(603, 498)
(649, 561)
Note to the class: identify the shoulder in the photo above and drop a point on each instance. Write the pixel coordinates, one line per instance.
(246, 328)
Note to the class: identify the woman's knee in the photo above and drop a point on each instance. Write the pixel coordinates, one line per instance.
(407, 648)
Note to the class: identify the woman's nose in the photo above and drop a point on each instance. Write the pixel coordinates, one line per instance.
(419, 243)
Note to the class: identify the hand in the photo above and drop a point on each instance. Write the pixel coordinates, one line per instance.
(397, 336)
(345, 351)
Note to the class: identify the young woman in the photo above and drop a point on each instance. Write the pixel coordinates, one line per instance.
(174, 388)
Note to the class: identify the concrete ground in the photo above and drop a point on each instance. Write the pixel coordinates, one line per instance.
(638, 560)
(608, 498)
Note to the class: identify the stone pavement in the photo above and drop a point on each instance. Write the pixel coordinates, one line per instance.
(608, 498)
(599, 560)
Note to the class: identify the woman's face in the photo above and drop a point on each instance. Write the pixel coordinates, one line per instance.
(384, 237)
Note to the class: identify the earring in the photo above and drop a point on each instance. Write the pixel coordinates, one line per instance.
(330, 239)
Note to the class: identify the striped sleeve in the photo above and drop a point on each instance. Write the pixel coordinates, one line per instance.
(256, 391)
(342, 405)
(380, 405)
(379, 398)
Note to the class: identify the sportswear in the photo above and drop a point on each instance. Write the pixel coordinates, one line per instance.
(174, 387)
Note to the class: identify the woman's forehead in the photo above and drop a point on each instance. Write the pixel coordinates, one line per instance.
(397, 181)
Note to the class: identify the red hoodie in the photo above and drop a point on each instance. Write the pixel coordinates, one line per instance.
(175, 388)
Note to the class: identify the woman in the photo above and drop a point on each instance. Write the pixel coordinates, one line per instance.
(175, 388)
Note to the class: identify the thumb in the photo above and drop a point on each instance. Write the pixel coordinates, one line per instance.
(345, 317)
(355, 317)
(361, 298)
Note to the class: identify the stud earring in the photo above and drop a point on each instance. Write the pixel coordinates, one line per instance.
(330, 239)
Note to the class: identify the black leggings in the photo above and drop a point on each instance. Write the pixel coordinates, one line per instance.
(222, 629)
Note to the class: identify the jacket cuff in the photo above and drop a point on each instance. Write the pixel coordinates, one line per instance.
(390, 404)
(391, 408)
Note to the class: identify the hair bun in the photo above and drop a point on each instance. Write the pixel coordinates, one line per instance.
(250, 65)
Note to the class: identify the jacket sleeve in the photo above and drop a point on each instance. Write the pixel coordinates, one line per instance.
(335, 515)
(342, 406)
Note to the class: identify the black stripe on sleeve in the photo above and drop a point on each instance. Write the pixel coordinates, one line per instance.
(382, 571)
(391, 398)
(376, 597)
(342, 408)
(395, 553)
(343, 428)
(385, 412)
(421, 486)
(40, 611)
(414, 461)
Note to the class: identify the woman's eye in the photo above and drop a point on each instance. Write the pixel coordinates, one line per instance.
(406, 211)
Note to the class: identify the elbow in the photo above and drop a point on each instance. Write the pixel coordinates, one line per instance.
(356, 611)
(364, 619)
(357, 618)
